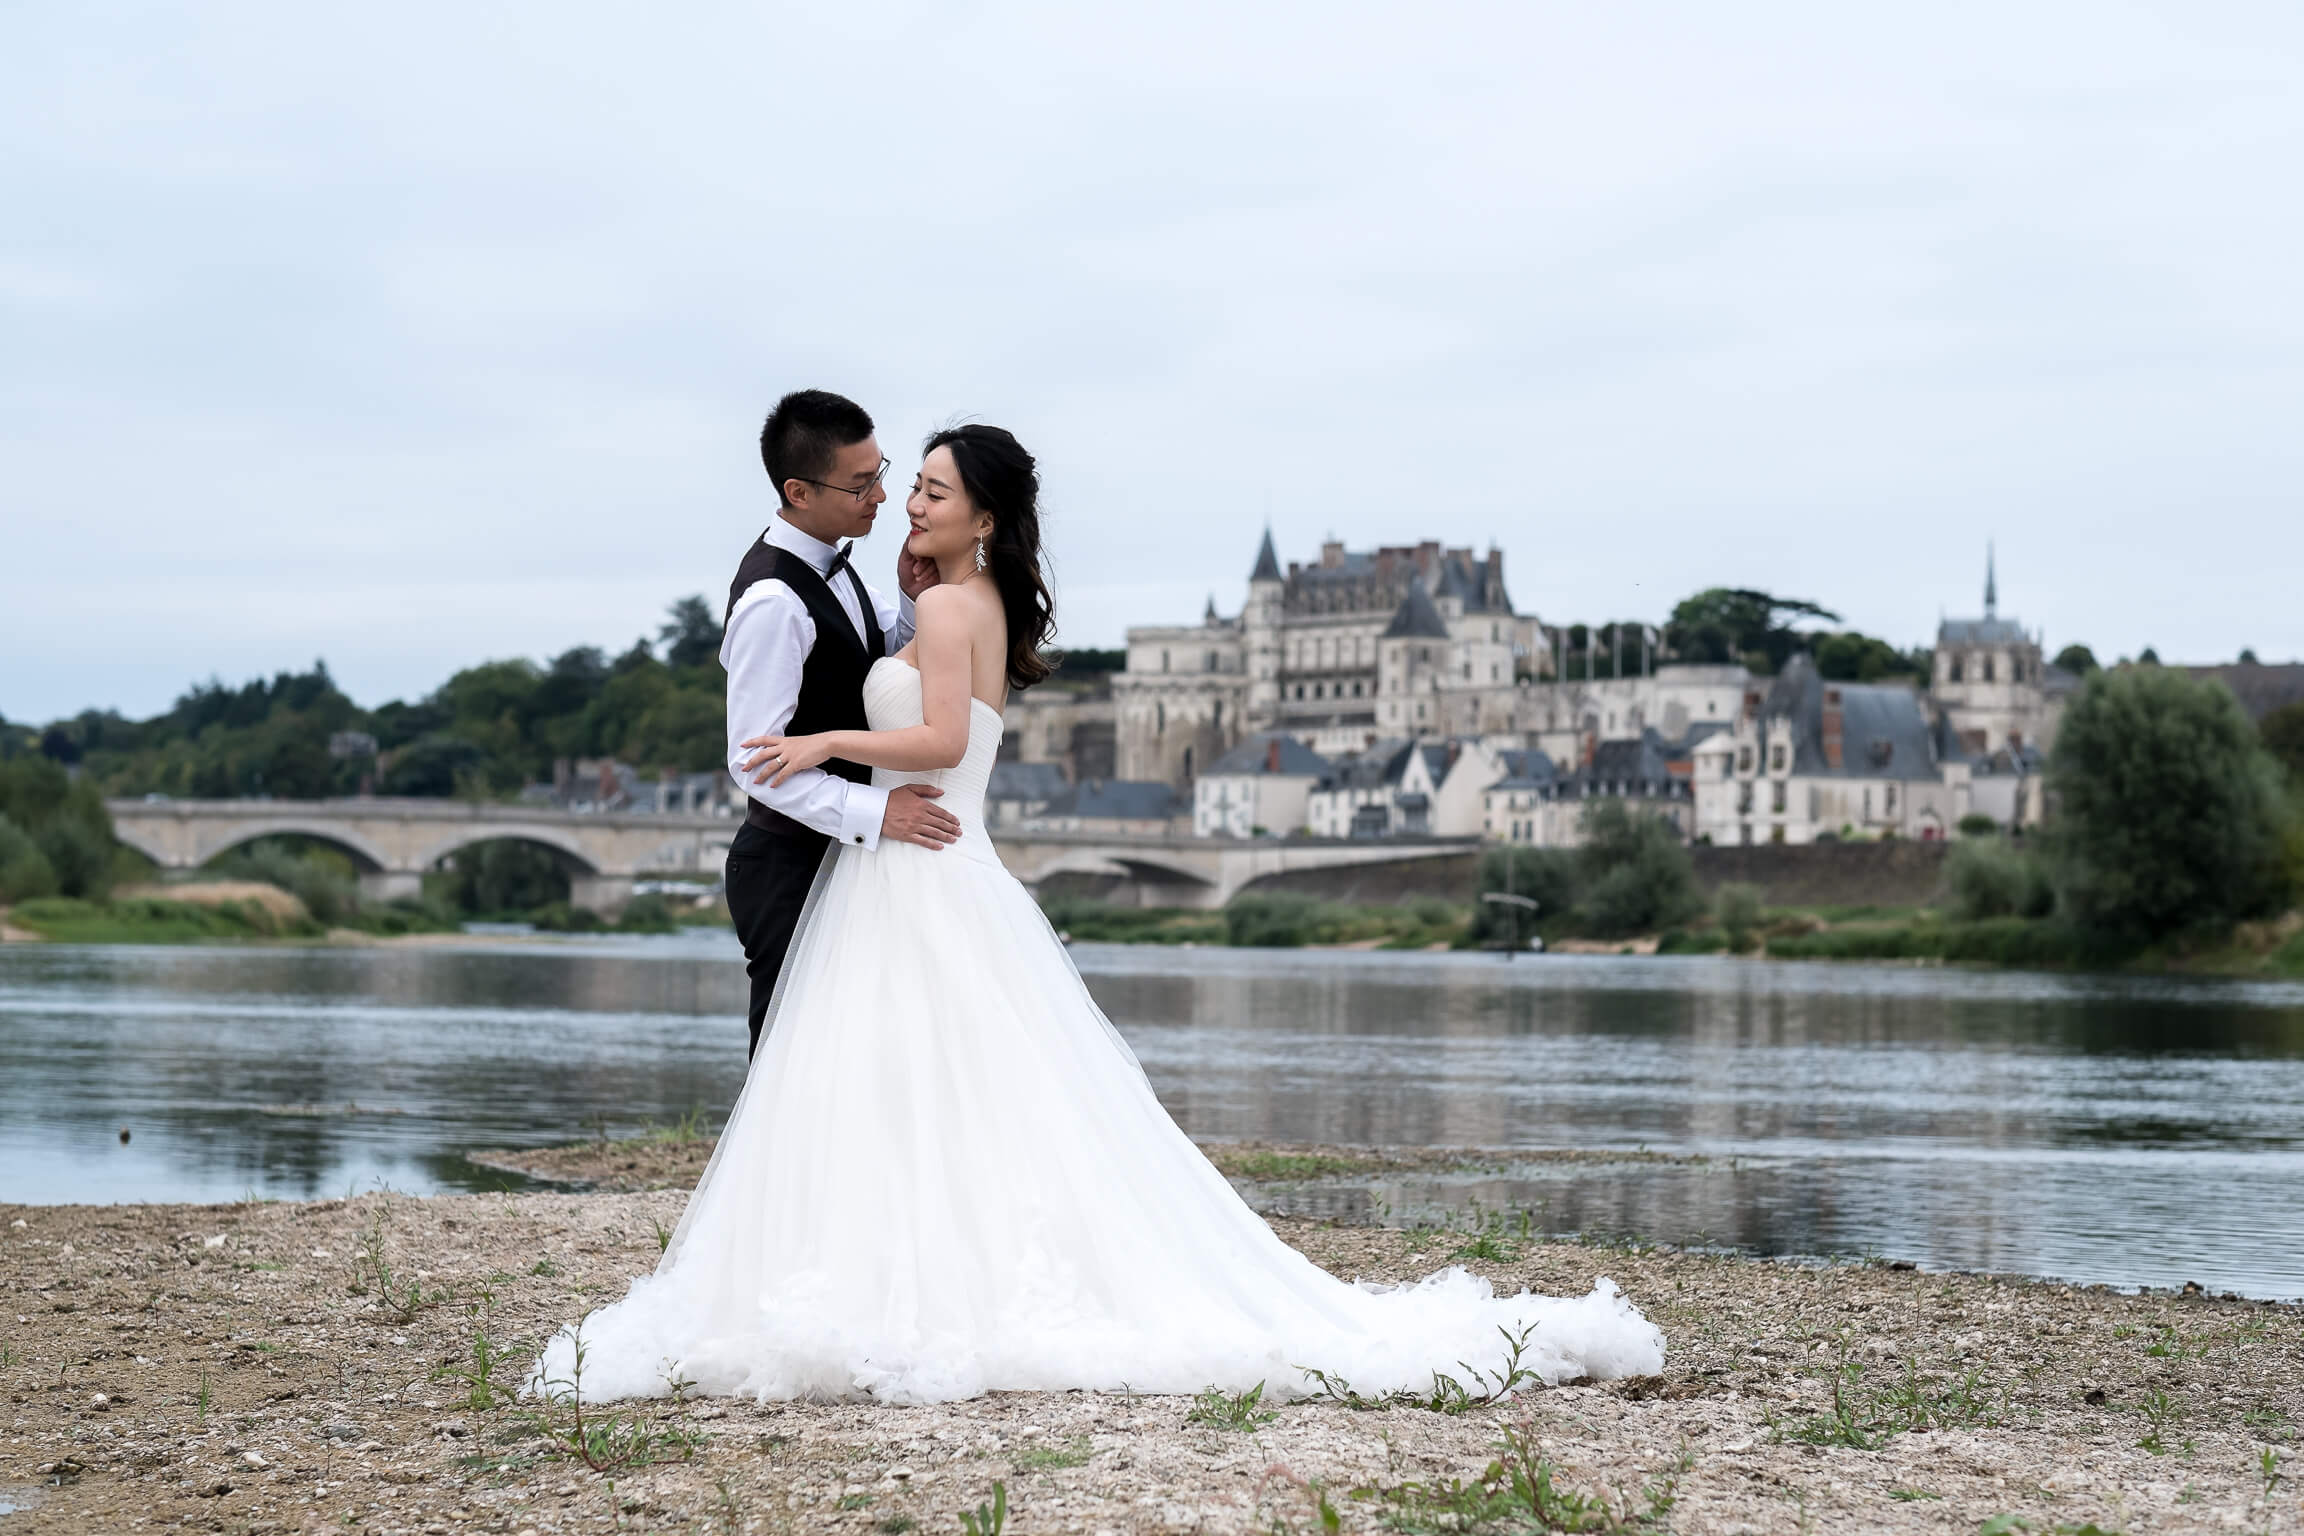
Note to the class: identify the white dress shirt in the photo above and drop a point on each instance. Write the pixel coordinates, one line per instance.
(767, 641)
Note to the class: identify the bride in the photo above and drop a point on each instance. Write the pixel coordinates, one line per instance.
(946, 1173)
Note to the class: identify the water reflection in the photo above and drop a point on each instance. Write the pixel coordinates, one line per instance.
(2101, 1128)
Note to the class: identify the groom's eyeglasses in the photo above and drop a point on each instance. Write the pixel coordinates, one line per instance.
(857, 491)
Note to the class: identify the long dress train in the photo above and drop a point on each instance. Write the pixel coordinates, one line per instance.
(946, 1174)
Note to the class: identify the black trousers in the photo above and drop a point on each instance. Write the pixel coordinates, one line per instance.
(770, 870)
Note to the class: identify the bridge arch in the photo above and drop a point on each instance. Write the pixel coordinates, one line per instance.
(573, 859)
(366, 858)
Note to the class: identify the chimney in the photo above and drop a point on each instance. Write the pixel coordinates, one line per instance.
(1832, 727)
(1331, 554)
(1591, 748)
(1272, 755)
(1751, 703)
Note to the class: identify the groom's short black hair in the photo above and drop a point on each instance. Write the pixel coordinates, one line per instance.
(805, 430)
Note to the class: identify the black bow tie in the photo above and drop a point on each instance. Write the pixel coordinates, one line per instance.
(839, 560)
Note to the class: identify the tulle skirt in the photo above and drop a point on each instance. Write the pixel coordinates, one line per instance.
(946, 1174)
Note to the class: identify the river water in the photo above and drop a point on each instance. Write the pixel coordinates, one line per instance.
(2129, 1131)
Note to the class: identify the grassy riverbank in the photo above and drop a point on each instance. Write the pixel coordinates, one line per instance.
(341, 1364)
(229, 911)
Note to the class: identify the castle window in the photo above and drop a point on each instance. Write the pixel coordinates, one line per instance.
(1888, 800)
(1743, 759)
(1776, 797)
(1159, 719)
(1776, 761)
(1216, 715)
(1355, 688)
(1988, 669)
(1209, 664)
(1957, 669)
(1163, 661)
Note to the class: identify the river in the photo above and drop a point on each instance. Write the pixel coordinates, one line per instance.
(2120, 1130)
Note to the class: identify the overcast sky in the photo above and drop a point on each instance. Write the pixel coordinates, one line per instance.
(414, 335)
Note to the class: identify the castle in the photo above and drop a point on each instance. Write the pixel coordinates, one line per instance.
(1402, 641)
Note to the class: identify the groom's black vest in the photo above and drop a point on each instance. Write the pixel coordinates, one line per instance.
(832, 678)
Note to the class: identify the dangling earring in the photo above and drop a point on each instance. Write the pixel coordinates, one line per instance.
(981, 562)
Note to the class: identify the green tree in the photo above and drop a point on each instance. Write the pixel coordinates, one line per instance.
(1730, 624)
(1633, 873)
(1547, 876)
(65, 820)
(2170, 813)
(2077, 659)
(24, 870)
(1854, 658)
(2282, 732)
(691, 635)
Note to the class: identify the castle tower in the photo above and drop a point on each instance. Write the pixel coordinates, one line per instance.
(1260, 634)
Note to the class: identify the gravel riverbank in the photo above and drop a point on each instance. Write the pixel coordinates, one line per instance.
(244, 1368)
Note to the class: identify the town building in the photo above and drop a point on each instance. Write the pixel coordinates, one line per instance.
(1808, 759)
(1541, 805)
(1258, 789)
(1112, 808)
(1402, 640)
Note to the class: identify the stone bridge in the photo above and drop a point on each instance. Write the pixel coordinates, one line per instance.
(393, 842)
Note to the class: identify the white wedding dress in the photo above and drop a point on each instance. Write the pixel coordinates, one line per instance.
(946, 1174)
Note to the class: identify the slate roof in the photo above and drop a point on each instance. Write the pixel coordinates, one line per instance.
(1116, 800)
(1267, 563)
(1884, 732)
(1025, 781)
(2260, 689)
(1466, 579)
(1416, 618)
(1526, 770)
(1374, 766)
(1254, 754)
(1980, 632)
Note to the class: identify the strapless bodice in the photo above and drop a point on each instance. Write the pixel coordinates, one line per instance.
(892, 703)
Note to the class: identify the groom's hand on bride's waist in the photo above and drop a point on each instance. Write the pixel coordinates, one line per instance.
(913, 817)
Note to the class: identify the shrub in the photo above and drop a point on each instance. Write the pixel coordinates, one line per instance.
(1736, 908)
(330, 894)
(649, 913)
(65, 820)
(81, 856)
(2170, 811)
(560, 917)
(1281, 920)
(1546, 876)
(1635, 875)
(1992, 879)
(1977, 824)
(25, 873)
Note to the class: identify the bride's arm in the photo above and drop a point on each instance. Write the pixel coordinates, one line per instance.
(943, 651)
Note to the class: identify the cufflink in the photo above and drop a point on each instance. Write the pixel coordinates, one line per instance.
(859, 837)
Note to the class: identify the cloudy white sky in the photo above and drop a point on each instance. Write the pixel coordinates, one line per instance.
(407, 336)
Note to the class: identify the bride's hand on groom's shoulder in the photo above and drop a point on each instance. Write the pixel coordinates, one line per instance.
(784, 756)
(915, 574)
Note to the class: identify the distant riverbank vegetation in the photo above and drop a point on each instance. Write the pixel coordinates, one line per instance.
(485, 733)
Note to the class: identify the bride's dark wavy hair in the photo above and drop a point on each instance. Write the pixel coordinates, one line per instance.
(1002, 479)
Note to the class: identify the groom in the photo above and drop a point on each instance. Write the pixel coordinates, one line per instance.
(801, 631)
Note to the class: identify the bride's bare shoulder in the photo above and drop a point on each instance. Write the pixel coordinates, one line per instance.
(968, 604)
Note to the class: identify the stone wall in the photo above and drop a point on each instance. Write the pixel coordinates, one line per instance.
(1885, 874)
(1451, 878)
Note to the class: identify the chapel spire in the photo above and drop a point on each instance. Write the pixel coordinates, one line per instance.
(1991, 584)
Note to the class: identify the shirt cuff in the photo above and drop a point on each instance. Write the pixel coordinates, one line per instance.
(907, 623)
(861, 815)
